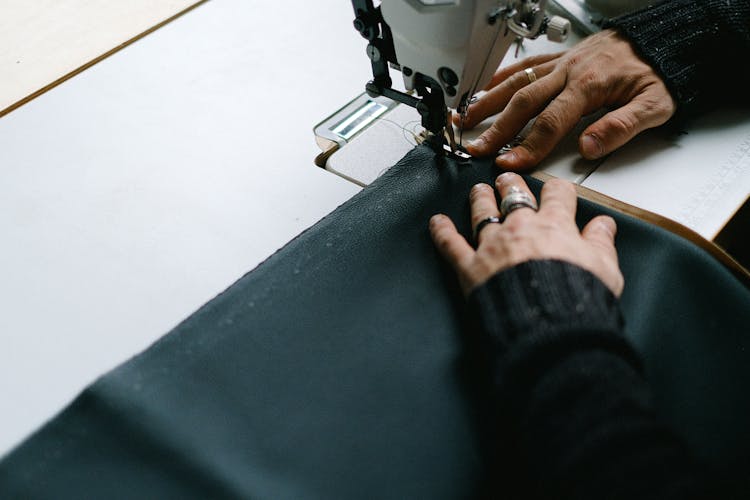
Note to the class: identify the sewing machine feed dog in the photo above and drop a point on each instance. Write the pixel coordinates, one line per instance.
(446, 50)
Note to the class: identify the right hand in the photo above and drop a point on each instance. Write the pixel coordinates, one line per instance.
(601, 71)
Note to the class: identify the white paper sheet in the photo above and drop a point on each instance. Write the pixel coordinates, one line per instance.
(699, 178)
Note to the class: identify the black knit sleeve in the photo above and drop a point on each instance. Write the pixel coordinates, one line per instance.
(699, 47)
(573, 411)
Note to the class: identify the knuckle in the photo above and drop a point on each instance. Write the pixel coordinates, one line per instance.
(562, 186)
(573, 60)
(523, 100)
(491, 248)
(548, 124)
(494, 134)
(561, 222)
(591, 81)
(552, 224)
(621, 125)
(661, 108)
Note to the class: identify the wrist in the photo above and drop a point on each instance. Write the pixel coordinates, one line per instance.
(543, 297)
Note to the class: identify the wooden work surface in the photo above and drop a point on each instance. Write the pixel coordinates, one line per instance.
(45, 42)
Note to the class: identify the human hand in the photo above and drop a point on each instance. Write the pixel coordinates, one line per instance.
(550, 233)
(601, 71)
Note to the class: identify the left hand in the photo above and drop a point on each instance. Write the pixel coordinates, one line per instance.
(550, 233)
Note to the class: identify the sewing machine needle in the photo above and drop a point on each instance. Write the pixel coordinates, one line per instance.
(463, 109)
(449, 130)
(461, 131)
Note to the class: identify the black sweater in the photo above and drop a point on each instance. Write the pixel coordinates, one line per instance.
(700, 49)
(574, 412)
(573, 409)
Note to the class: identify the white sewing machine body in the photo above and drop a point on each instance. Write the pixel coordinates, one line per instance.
(449, 41)
(699, 178)
(445, 50)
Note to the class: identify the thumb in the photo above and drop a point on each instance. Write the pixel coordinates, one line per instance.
(619, 126)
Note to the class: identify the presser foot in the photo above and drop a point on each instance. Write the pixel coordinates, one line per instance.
(442, 147)
(459, 154)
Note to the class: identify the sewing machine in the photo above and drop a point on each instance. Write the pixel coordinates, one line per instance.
(429, 43)
(446, 51)
(376, 129)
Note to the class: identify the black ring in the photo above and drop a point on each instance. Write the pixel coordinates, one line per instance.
(484, 222)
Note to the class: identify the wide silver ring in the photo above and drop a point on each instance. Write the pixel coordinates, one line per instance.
(517, 199)
(484, 222)
(530, 74)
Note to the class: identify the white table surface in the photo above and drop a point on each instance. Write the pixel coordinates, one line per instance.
(136, 191)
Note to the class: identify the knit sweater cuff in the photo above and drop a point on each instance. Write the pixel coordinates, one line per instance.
(676, 38)
(542, 297)
(534, 316)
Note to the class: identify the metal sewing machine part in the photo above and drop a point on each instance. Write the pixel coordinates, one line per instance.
(446, 50)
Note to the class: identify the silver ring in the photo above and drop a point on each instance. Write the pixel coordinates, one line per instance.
(517, 199)
(484, 222)
(530, 74)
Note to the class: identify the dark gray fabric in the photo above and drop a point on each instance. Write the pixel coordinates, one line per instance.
(336, 369)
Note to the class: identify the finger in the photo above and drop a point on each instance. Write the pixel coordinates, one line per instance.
(497, 98)
(483, 205)
(558, 200)
(504, 73)
(451, 245)
(601, 231)
(552, 124)
(509, 182)
(523, 106)
(647, 110)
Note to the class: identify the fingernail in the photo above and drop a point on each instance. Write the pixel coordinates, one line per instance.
(508, 159)
(435, 219)
(591, 147)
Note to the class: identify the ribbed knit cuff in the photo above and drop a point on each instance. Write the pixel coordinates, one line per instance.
(534, 316)
(665, 35)
(540, 297)
(687, 42)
